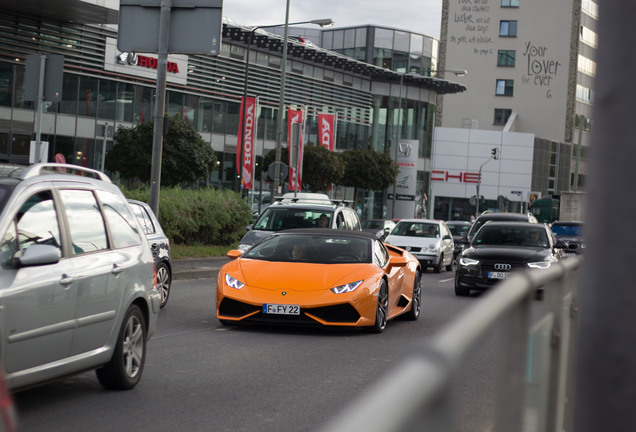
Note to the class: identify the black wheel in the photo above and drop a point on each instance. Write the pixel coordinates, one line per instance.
(164, 279)
(461, 291)
(382, 309)
(124, 369)
(416, 302)
(438, 267)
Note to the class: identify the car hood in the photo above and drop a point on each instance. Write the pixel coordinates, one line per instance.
(513, 253)
(300, 277)
(411, 241)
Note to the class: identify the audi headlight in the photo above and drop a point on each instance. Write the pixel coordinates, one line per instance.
(543, 264)
(467, 261)
(232, 282)
(346, 288)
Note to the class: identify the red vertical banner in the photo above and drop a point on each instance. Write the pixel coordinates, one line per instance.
(326, 130)
(295, 148)
(246, 134)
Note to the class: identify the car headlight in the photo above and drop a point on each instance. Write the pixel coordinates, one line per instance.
(467, 261)
(543, 264)
(346, 288)
(433, 247)
(232, 282)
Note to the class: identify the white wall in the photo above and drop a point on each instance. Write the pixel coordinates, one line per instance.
(458, 154)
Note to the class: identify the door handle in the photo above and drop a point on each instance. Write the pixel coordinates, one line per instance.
(116, 269)
(66, 280)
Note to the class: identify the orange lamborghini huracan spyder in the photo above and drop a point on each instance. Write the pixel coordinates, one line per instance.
(319, 276)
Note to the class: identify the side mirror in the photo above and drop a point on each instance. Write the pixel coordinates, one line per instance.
(398, 261)
(233, 254)
(36, 255)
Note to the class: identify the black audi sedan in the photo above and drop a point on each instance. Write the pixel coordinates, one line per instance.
(499, 249)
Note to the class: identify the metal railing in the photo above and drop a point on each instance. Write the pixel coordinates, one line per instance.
(417, 393)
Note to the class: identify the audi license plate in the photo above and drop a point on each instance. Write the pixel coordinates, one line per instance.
(498, 275)
(281, 309)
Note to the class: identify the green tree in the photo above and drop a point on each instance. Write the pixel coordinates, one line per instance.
(368, 169)
(321, 167)
(186, 158)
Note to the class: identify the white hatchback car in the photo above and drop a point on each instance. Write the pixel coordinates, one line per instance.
(77, 278)
(430, 241)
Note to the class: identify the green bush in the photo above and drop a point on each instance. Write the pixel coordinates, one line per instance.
(201, 216)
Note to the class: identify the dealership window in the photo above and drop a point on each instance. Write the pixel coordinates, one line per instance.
(143, 104)
(4, 143)
(174, 103)
(107, 99)
(501, 116)
(508, 28)
(504, 87)
(125, 97)
(18, 85)
(509, 3)
(70, 89)
(88, 96)
(506, 58)
(6, 84)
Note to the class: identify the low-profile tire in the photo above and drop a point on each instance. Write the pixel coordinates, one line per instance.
(382, 309)
(416, 302)
(124, 369)
(461, 291)
(164, 280)
(438, 267)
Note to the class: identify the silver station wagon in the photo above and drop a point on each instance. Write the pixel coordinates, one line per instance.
(77, 278)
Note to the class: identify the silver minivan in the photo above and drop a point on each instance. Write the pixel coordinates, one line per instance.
(77, 278)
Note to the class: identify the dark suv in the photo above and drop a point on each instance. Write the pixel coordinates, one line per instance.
(300, 210)
(499, 217)
(77, 284)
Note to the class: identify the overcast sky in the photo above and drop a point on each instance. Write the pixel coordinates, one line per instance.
(420, 16)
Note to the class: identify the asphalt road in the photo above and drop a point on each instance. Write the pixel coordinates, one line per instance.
(201, 376)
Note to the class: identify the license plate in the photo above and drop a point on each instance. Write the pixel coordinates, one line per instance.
(498, 275)
(281, 309)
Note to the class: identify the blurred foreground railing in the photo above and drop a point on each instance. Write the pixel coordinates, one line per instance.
(534, 379)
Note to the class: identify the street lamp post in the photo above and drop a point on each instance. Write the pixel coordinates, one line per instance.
(326, 22)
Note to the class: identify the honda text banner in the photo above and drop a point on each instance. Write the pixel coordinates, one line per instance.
(246, 140)
(326, 131)
(295, 147)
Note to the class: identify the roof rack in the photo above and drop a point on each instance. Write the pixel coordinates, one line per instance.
(36, 169)
(348, 203)
(304, 197)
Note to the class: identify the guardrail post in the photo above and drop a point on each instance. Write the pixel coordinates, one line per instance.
(510, 392)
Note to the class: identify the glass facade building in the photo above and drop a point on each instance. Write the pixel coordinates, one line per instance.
(103, 86)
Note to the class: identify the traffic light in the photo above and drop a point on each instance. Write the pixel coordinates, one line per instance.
(494, 153)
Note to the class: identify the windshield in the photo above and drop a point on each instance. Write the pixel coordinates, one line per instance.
(511, 236)
(276, 219)
(458, 229)
(319, 249)
(567, 230)
(416, 229)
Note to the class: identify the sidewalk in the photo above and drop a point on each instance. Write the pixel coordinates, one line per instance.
(200, 268)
